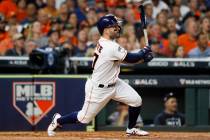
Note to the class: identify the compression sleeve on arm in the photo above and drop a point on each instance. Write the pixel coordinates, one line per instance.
(133, 57)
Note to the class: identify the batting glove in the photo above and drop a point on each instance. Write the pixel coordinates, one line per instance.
(148, 57)
(145, 50)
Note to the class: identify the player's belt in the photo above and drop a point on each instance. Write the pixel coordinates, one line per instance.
(102, 85)
(108, 86)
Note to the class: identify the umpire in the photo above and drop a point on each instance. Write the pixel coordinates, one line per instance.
(170, 116)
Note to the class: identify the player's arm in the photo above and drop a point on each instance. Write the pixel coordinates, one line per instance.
(144, 55)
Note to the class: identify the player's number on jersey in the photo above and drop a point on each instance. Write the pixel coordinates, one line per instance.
(95, 58)
(96, 54)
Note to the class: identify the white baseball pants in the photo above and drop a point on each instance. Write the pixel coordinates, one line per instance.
(96, 98)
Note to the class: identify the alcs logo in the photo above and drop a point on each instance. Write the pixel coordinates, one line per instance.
(33, 99)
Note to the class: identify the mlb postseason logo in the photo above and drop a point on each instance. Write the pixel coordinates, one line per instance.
(33, 100)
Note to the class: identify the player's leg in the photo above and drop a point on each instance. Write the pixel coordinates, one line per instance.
(126, 94)
(95, 99)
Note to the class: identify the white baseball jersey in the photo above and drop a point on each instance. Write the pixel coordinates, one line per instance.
(106, 68)
(106, 63)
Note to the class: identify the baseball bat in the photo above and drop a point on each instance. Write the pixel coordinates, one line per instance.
(144, 24)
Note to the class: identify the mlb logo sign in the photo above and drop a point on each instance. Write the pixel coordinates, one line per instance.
(33, 100)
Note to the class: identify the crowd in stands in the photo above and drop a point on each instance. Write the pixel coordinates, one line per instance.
(176, 28)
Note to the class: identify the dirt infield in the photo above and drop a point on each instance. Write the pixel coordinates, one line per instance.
(108, 135)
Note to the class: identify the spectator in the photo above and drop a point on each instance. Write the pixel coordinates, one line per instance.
(81, 10)
(111, 5)
(100, 5)
(53, 40)
(37, 35)
(68, 35)
(170, 116)
(26, 31)
(21, 13)
(18, 49)
(12, 18)
(156, 48)
(120, 11)
(56, 24)
(123, 41)
(149, 12)
(154, 32)
(193, 5)
(31, 11)
(82, 44)
(183, 8)
(50, 9)
(71, 5)
(208, 12)
(7, 43)
(129, 31)
(120, 117)
(63, 13)
(67, 45)
(7, 6)
(202, 50)
(188, 40)
(180, 52)
(170, 46)
(29, 46)
(172, 27)
(158, 5)
(73, 20)
(92, 17)
(194, 12)
(202, 5)
(177, 15)
(129, 17)
(101, 13)
(205, 26)
(162, 22)
(44, 19)
(84, 25)
(93, 37)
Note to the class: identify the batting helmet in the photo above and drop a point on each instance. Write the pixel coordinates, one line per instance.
(106, 22)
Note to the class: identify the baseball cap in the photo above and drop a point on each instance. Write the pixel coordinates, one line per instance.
(168, 96)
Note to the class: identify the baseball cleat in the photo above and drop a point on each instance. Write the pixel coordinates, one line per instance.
(136, 132)
(53, 125)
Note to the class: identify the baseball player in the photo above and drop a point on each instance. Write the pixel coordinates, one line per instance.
(104, 84)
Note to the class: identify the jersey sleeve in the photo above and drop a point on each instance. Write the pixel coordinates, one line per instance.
(119, 53)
